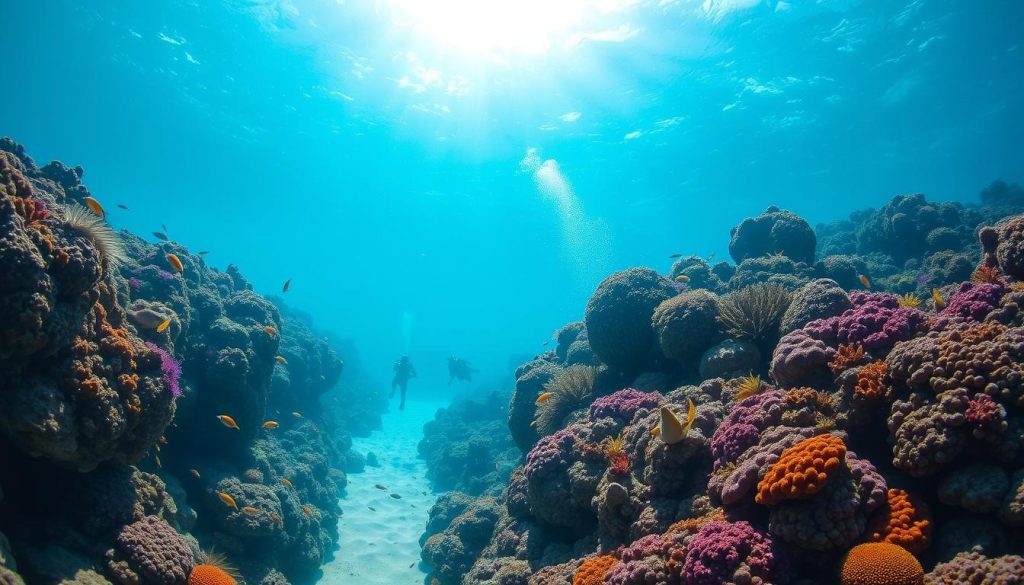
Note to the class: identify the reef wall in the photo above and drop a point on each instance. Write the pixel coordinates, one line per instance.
(843, 405)
(152, 408)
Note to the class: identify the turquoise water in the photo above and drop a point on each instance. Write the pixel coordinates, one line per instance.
(454, 179)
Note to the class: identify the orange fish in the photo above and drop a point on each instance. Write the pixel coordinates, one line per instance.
(280, 359)
(286, 483)
(270, 329)
(228, 422)
(250, 510)
(194, 472)
(277, 519)
(163, 325)
(228, 500)
(864, 280)
(544, 397)
(287, 284)
(682, 278)
(270, 424)
(175, 263)
(297, 414)
(308, 511)
(95, 207)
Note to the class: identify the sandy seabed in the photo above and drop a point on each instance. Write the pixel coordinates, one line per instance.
(379, 534)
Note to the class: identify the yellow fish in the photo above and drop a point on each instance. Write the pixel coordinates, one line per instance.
(682, 278)
(194, 472)
(157, 458)
(940, 303)
(297, 414)
(672, 429)
(250, 510)
(228, 422)
(308, 511)
(656, 432)
(95, 207)
(864, 280)
(175, 263)
(270, 329)
(228, 500)
(270, 424)
(544, 397)
(286, 483)
(287, 285)
(163, 325)
(280, 359)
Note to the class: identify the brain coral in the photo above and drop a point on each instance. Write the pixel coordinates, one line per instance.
(903, 520)
(802, 470)
(881, 563)
(818, 299)
(687, 324)
(618, 316)
(592, 570)
(155, 552)
(801, 360)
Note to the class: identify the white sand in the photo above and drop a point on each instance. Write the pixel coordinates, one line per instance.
(378, 546)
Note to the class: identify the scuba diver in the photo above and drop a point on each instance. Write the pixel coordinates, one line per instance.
(403, 371)
(459, 369)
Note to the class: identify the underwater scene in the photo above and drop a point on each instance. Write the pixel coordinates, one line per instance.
(495, 292)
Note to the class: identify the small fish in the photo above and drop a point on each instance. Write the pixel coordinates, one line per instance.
(163, 440)
(682, 278)
(123, 206)
(270, 330)
(175, 263)
(95, 207)
(195, 473)
(544, 397)
(371, 508)
(270, 424)
(710, 257)
(674, 256)
(297, 414)
(280, 359)
(308, 511)
(940, 303)
(277, 519)
(157, 447)
(228, 422)
(380, 486)
(396, 496)
(533, 424)
(160, 236)
(656, 432)
(864, 280)
(228, 500)
(287, 284)
(412, 565)
(157, 458)
(203, 252)
(250, 510)
(163, 325)
(546, 342)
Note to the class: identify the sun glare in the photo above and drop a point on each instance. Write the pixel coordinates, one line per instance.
(489, 28)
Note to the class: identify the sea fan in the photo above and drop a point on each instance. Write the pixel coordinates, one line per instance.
(170, 367)
(753, 312)
(90, 226)
(570, 389)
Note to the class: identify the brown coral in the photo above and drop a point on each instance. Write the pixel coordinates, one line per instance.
(987, 274)
(592, 570)
(847, 356)
(802, 470)
(904, 520)
(871, 381)
(881, 563)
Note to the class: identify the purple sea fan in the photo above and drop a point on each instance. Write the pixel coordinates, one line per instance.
(170, 368)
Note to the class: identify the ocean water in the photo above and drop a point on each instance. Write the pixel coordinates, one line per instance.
(437, 178)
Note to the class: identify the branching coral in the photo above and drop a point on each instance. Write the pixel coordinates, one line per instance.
(593, 570)
(754, 312)
(871, 381)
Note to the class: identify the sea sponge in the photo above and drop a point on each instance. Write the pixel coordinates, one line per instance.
(926, 436)
(592, 570)
(818, 299)
(802, 470)
(774, 231)
(881, 563)
(618, 317)
(903, 520)
(800, 359)
(1004, 244)
(871, 381)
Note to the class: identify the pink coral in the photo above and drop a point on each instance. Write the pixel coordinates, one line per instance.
(170, 367)
(729, 552)
(622, 405)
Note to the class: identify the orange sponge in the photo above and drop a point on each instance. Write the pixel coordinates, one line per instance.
(802, 470)
(904, 520)
(592, 571)
(881, 563)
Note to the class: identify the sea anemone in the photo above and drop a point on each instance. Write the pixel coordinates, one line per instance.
(613, 446)
(570, 389)
(753, 312)
(747, 387)
(909, 300)
(92, 227)
(214, 570)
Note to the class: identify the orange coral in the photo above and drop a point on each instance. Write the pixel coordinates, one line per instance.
(592, 571)
(904, 520)
(809, 397)
(847, 356)
(693, 525)
(802, 470)
(881, 563)
(210, 575)
(871, 381)
(987, 274)
(129, 382)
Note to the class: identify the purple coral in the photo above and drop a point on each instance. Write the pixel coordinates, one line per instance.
(155, 551)
(729, 552)
(742, 426)
(134, 283)
(551, 454)
(622, 405)
(170, 367)
(164, 275)
(971, 302)
(42, 211)
(876, 321)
